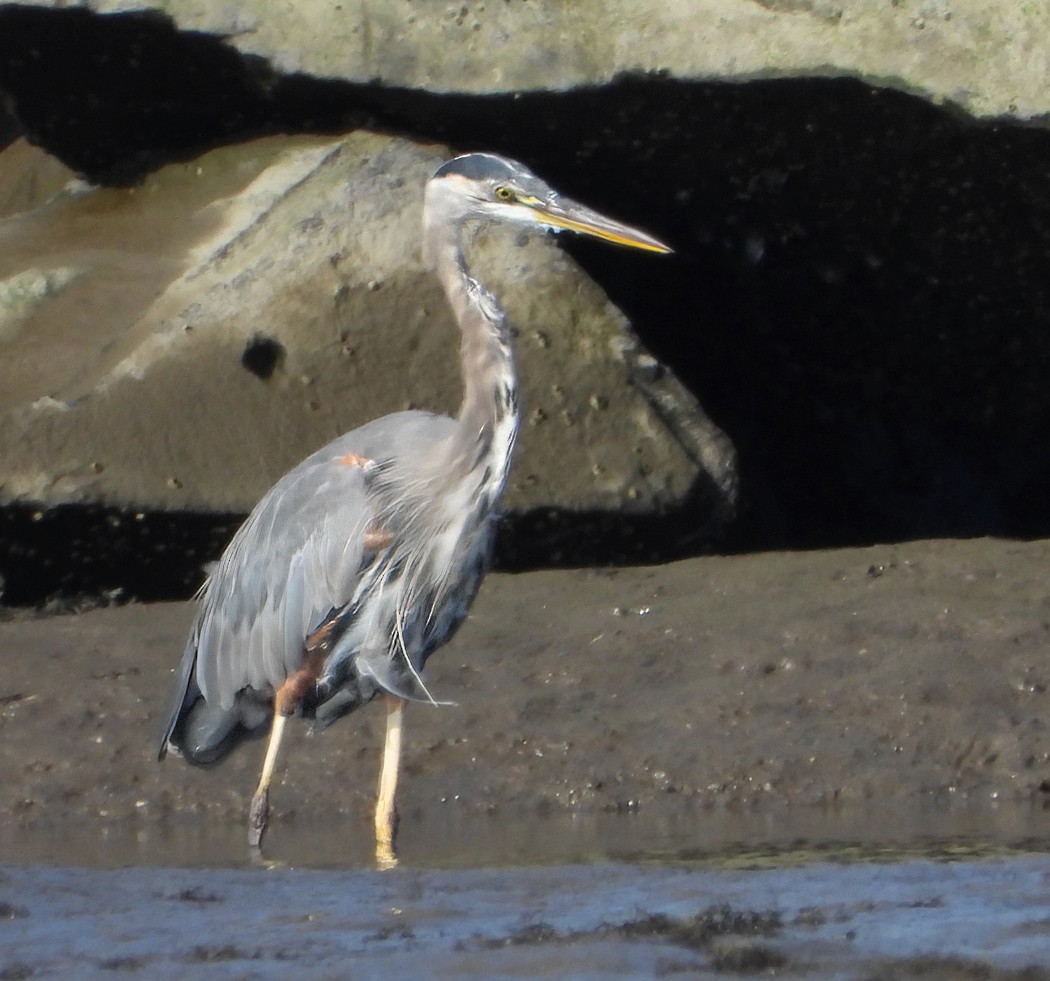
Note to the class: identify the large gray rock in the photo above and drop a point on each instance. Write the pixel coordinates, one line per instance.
(182, 343)
(988, 57)
(859, 289)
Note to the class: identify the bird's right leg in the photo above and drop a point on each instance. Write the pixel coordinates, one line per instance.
(386, 804)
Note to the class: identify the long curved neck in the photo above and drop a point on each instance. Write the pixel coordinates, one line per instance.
(488, 416)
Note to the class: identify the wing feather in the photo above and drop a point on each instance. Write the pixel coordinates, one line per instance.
(293, 612)
(299, 554)
(276, 577)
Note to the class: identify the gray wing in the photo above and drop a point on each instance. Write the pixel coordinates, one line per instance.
(299, 555)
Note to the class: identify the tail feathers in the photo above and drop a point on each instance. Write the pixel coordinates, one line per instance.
(205, 732)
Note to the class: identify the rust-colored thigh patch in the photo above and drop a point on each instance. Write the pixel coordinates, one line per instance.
(301, 681)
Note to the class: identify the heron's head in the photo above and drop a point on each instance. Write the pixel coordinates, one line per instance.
(481, 187)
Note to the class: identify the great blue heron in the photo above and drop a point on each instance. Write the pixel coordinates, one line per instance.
(363, 560)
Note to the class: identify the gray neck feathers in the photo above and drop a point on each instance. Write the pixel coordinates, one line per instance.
(487, 419)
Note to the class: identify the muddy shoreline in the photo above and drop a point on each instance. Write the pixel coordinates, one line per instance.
(837, 679)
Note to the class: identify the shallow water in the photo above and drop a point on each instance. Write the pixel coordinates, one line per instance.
(953, 893)
(449, 837)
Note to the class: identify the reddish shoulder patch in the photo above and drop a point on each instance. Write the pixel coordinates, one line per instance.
(353, 460)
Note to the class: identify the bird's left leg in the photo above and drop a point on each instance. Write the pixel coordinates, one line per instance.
(386, 804)
(286, 700)
(259, 812)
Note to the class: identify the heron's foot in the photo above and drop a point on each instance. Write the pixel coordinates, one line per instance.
(260, 861)
(386, 841)
(386, 855)
(258, 818)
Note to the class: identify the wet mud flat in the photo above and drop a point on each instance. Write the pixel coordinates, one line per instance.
(985, 919)
(913, 672)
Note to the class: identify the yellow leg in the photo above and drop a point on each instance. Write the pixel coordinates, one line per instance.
(259, 812)
(386, 805)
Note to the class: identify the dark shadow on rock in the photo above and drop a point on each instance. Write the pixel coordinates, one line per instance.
(114, 96)
(858, 298)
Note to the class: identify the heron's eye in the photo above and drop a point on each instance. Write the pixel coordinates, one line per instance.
(504, 194)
